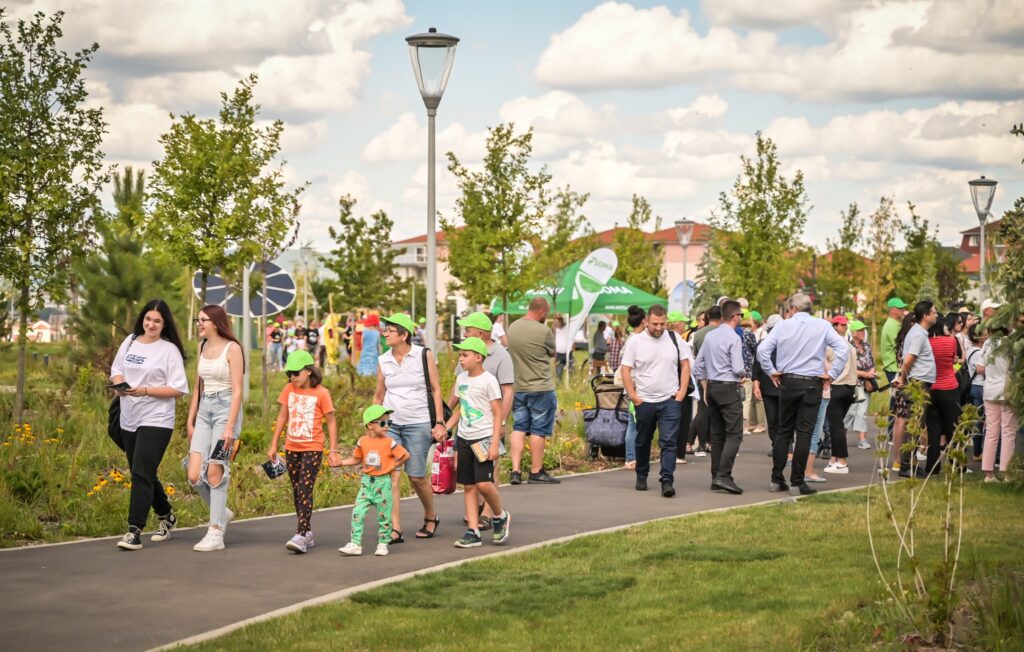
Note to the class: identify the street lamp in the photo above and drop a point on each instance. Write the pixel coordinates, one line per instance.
(432, 57)
(982, 192)
(684, 231)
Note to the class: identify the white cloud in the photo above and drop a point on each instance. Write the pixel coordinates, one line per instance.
(602, 170)
(968, 25)
(406, 140)
(783, 13)
(702, 108)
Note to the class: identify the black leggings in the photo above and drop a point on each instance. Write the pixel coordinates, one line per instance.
(941, 417)
(835, 413)
(303, 467)
(145, 449)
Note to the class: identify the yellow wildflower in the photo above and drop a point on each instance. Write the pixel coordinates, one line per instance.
(91, 493)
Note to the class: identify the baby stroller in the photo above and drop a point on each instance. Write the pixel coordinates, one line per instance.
(605, 425)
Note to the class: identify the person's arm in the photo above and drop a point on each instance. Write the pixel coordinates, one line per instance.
(492, 452)
(684, 379)
(437, 428)
(354, 459)
(193, 409)
(627, 384)
(380, 390)
(453, 420)
(739, 366)
(401, 455)
(764, 355)
(908, 362)
(700, 368)
(333, 454)
(235, 363)
(282, 418)
(841, 351)
(508, 399)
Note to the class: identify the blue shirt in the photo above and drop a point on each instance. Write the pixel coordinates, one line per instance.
(799, 344)
(721, 356)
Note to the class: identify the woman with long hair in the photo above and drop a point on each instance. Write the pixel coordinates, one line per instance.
(152, 364)
(215, 417)
(944, 409)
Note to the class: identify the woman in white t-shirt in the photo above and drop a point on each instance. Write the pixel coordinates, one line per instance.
(1000, 420)
(152, 363)
(215, 416)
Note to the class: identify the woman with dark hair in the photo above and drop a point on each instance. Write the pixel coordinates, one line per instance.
(152, 363)
(944, 409)
(215, 417)
(403, 374)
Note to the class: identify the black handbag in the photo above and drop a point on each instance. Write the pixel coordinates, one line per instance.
(114, 415)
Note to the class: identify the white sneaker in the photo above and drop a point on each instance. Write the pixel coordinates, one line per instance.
(921, 457)
(309, 539)
(296, 544)
(228, 517)
(700, 454)
(382, 550)
(864, 445)
(837, 467)
(214, 540)
(353, 549)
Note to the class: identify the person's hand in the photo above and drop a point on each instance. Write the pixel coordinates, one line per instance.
(826, 382)
(493, 451)
(680, 395)
(439, 432)
(190, 430)
(776, 377)
(136, 391)
(757, 392)
(637, 401)
(334, 459)
(272, 454)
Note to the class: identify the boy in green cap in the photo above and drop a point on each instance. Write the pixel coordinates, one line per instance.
(380, 455)
(478, 416)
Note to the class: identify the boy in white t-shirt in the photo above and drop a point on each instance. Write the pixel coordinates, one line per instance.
(478, 415)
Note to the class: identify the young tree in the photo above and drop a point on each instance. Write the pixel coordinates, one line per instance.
(843, 271)
(909, 273)
(51, 166)
(502, 209)
(950, 281)
(881, 244)
(760, 223)
(565, 238)
(123, 273)
(709, 283)
(362, 260)
(640, 261)
(218, 195)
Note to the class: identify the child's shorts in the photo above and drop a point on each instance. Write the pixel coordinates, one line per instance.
(471, 470)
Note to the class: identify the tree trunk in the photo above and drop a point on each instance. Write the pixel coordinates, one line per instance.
(19, 396)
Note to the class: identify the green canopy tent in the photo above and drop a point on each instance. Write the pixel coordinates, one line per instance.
(616, 297)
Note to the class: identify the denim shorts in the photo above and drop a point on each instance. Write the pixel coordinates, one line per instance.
(534, 413)
(415, 438)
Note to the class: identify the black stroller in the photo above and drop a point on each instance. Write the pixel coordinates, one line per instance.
(605, 425)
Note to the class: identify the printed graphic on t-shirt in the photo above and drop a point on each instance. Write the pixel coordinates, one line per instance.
(301, 416)
(469, 413)
(372, 460)
(135, 358)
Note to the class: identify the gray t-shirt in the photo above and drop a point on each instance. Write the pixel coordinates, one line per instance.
(532, 346)
(916, 343)
(498, 363)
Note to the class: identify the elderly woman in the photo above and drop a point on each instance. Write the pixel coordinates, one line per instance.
(404, 374)
(857, 417)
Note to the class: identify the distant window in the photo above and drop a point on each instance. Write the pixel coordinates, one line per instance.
(972, 241)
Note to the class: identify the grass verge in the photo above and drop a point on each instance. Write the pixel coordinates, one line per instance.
(788, 576)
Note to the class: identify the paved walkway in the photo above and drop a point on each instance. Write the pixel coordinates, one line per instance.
(90, 596)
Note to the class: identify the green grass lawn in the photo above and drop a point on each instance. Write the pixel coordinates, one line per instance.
(782, 577)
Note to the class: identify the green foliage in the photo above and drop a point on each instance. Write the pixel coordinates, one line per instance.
(709, 281)
(924, 268)
(502, 209)
(758, 247)
(843, 272)
(1011, 314)
(362, 260)
(639, 260)
(219, 198)
(566, 237)
(118, 277)
(881, 243)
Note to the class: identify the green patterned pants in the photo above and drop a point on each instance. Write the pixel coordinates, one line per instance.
(374, 491)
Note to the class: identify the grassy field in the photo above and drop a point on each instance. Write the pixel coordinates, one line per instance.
(61, 477)
(790, 576)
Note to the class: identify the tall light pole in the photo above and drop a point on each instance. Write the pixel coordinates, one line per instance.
(432, 57)
(684, 231)
(982, 192)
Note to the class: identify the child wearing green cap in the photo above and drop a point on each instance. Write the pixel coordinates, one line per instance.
(305, 405)
(478, 415)
(380, 455)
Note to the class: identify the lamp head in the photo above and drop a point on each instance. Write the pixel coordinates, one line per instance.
(432, 57)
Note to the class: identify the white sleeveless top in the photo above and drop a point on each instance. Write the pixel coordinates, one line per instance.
(216, 373)
(405, 387)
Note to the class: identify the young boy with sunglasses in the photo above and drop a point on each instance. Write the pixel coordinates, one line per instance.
(380, 455)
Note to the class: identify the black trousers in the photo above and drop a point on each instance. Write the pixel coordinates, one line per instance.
(725, 407)
(799, 401)
(771, 414)
(145, 449)
(835, 413)
(700, 427)
(685, 418)
(941, 417)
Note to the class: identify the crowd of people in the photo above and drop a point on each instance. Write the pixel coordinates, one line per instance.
(701, 384)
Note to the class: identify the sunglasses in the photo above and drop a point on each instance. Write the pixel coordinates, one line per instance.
(383, 423)
(293, 374)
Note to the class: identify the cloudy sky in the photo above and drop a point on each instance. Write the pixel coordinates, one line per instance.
(869, 98)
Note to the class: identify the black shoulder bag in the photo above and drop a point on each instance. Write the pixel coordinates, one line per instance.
(679, 363)
(114, 413)
(445, 408)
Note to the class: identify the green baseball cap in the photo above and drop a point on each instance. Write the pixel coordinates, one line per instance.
(615, 324)
(746, 314)
(401, 319)
(298, 360)
(694, 323)
(857, 325)
(675, 316)
(423, 320)
(756, 315)
(373, 413)
(895, 302)
(476, 320)
(497, 311)
(474, 344)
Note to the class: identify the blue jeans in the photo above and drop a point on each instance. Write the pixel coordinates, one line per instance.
(977, 391)
(663, 415)
(211, 417)
(631, 439)
(818, 426)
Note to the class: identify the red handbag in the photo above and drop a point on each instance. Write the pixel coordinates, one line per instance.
(442, 471)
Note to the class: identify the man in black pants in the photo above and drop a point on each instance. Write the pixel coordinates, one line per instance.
(765, 390)
(799, 345)
(720, 367)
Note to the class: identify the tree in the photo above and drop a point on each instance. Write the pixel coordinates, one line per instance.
(122, 274)
(909, 273)
(502, 209)
(881, 243)
(51, 166)
(843, 270)
(951, 282)
(640, 261)
(709, 283)
(362, 260)
(760, 223)
(219, 197)
(565, 238)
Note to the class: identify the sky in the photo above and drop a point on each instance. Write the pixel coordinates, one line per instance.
(901, 98)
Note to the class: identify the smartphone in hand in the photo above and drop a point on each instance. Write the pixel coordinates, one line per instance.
(120, 387)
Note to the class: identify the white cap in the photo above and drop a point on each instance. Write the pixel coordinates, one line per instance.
(773, 321)
(989, 303)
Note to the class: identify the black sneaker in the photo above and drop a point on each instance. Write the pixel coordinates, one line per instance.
(517, 478)
(501, 528)
(132, 540)
(543, 477)
(727, 484)
(667, 490)
(806, 489)
(641, 484)
(164, 528)
(470, 539)
(776, 487)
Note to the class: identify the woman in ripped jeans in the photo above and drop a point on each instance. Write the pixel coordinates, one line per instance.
(214, 417)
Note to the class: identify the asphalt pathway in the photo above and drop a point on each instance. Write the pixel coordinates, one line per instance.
(90, 596)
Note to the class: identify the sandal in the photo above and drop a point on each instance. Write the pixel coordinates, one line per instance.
(399, 538)
(424, 533)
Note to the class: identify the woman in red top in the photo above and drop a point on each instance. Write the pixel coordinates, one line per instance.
(944, 410)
